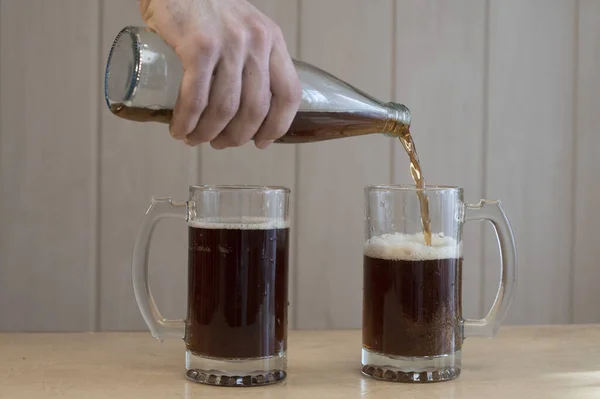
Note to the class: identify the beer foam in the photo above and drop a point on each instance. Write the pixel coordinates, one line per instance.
(240, 223)
(412, 247)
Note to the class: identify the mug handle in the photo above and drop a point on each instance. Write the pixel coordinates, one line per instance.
(159, 326)
(492, 211)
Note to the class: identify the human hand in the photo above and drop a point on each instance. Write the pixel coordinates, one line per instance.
(239, 82)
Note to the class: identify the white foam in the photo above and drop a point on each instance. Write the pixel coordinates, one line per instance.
(412, 247)
(240, 223)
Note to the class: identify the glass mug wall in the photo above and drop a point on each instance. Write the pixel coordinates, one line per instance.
(236, 327)
(412, 327)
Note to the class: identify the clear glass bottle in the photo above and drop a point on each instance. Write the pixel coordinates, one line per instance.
(143, 74)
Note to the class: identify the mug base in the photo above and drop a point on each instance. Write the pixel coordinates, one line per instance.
(411, 369)
(236, 372)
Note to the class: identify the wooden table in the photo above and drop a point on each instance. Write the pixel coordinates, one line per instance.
(522, 362)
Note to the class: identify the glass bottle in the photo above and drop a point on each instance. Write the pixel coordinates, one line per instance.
(143, 74)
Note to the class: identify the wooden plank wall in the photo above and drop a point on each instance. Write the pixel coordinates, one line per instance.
(505, 102)
(529, 151)
(49, 105)
(585, 273)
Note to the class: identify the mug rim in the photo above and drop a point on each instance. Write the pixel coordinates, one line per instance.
(406, 187)
(238, 187)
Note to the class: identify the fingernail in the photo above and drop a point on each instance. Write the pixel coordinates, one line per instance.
(264, 144)
(176, 136)
(189, 142)
(217, 146)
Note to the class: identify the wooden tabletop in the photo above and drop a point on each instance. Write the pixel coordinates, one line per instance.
(522, 362)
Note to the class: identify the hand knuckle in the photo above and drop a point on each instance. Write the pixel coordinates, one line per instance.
(277, 33)
(194, 104)
(226, 109)
(198, 45)
(258, 110)
(207, 46)
(291, 94)
(259, 31)
(236, 36)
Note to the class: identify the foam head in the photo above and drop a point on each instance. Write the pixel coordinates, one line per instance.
(240, 223)
(412, 247)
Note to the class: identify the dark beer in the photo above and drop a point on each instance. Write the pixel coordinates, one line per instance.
(417, 176)
(307, 126)
(138, 114)
(237, 290)
(412, 296)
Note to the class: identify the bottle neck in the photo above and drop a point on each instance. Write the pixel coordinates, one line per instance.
(400, 113)
(398, 121)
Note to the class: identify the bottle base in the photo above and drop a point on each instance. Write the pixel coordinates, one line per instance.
(411, 369)
(236, 372)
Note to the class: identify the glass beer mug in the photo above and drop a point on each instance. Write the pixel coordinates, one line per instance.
(235, 332)
(413, 328)
(143, 74)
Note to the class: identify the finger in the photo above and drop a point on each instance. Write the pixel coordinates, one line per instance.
(254, 104)
(193, 93)
(191, 101)
(223, 101)
(286, 96)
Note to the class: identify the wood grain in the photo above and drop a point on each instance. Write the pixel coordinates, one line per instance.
(521, 363)
(138, 161)
(586, 251)
(352, 40)
(48, 164)
(440, 76)
(496, 88)
(530, 149)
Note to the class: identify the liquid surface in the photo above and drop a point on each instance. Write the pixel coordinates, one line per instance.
(237, 291)
(137, 114)
(412, 296)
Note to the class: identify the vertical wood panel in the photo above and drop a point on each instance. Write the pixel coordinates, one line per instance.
(470, 133)
(48, 131)
(353, 40)
(530, 149)
(440, 76)
(247, 164)
(139, 160)
(586, 273)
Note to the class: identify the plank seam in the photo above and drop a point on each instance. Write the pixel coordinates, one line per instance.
(296, 236)
(95, 275)
(484, 151)
(574, 168)
(393, 88)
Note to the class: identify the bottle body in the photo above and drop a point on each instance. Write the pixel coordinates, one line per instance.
(143, 75)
